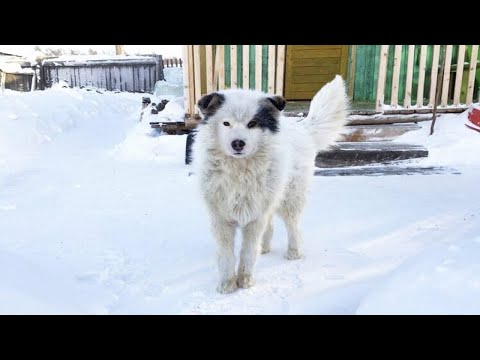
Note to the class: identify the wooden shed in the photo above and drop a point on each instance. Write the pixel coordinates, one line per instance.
(16, 73)
(380, 78)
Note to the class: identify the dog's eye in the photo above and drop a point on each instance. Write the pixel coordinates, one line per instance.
(252, 124)
(226, 123)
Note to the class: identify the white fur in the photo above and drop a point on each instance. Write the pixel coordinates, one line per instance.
(272, 174)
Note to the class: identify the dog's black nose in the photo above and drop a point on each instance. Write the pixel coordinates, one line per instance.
(238, 145)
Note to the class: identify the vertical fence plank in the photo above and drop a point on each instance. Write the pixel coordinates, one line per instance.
(471, 74)
(221, 66)
(258, 67)
(434, 75)
(396, 75)
(209, 64)
(382, 74)
(233, 67)
(421, 75)
(280, 69)
(408, 86)
(197, 72)
(246, 67)
(271, 68)
(446, 75)
(459, 75)
(351, 70)
(186, 79)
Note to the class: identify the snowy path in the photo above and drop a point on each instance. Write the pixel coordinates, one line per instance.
(97, 224)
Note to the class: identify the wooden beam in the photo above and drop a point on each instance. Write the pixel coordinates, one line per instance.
(271, 69)
(421, 75)
(279, 82)
(396, 75)
(210, 69)
(197, 73)
(258, 67)
(221, 66)
(186, 79)
(459, 75)
(246, 67)
(191, 80)
(446, 75)
(434, 75)
(382, 72)
(233, 67)
(351, 70)
(407, 103)
(471, 74)
(120, 49)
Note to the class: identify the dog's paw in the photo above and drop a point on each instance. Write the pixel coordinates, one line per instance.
(245, 281)
(293, 254)
(265, 249)
(227, 286)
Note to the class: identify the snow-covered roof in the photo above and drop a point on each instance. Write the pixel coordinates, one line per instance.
(14, 68)
(89, 59)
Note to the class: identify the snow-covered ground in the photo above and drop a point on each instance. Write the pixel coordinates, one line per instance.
(98, 215)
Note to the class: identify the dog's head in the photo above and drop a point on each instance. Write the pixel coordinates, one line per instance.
(243, 120)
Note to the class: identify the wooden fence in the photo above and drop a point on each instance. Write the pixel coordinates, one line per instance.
(215, 67)
(172, 62)
(132, 75)
(406, 66)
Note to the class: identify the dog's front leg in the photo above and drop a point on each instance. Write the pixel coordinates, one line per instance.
(225, 235)
(252, 235)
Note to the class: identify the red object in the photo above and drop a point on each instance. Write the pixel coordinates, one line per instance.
(474, 119)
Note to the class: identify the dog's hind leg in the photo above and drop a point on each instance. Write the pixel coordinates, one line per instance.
(267, 236)
(225, 235)
(252, 236)
(290, 211)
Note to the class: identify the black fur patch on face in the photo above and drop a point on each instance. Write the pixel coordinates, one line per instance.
(209, 104)
(278, 101)
(267, 116)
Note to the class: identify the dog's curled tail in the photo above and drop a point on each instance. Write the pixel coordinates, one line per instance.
(328, 112)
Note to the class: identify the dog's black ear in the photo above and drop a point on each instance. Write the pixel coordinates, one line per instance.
(278, 101)
(210, 103)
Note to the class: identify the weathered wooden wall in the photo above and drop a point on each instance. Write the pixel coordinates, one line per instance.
(118, 75)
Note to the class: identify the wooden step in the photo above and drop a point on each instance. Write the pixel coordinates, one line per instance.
(365, 153)
(385, 170)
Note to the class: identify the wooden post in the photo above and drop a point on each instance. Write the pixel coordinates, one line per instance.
(459, 75)
(221, 66)
(382, 73)
(246, 67)
(438, 90)
(186, 80)
(191, 79)
(446, 75)
(233, 67)
(407, 103)
(434, 74)
(119, 49)
(421, 75)
(258, 67)
(396, 75)
(209, 63)
(351, 70)
(271, 69)
(471, 74)
(2, 80)
(197, 72)
(280, 69)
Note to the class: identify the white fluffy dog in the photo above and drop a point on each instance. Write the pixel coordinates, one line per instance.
(252, 163)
